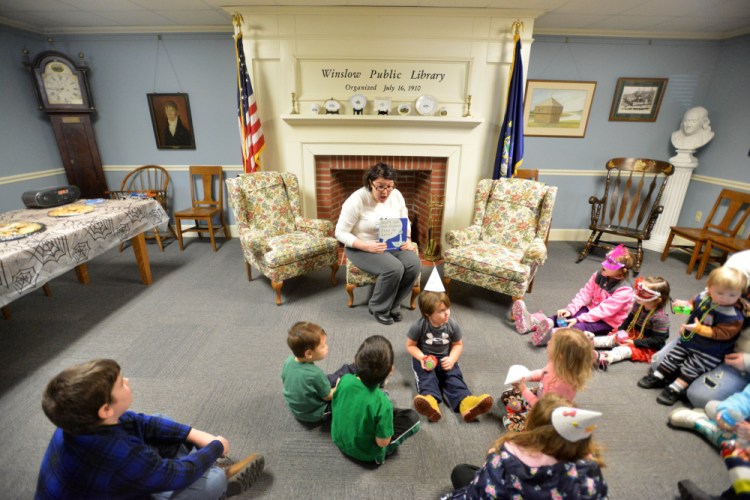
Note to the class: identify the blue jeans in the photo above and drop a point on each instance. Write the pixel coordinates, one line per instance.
(717, 384)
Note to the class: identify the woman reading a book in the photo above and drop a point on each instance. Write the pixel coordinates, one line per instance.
(375, 230)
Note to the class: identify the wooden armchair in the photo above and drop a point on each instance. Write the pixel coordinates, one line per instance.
(275, 238)
(736, 208)
(630, 205)
(505, 244)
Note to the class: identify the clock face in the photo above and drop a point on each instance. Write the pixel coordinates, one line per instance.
(61, 84)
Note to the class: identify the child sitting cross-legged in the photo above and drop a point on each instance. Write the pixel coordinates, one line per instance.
(644, 331)
(435, 342)
(365, 425)
(567, 371)
(100, 449)
(708, 336)
(597, 309)
(307, 389)
(555, 457)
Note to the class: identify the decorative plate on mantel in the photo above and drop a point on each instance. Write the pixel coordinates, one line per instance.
(426, 105)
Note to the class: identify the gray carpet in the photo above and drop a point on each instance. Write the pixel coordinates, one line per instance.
(205, 346)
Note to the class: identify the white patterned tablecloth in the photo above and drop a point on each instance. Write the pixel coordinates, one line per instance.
(66, 242)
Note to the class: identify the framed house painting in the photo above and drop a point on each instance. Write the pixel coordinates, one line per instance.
(170, 117)
(555, 108)
(637, 99)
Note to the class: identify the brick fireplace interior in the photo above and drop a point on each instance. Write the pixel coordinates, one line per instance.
(421, 181)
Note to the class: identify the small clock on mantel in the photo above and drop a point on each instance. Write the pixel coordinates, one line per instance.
(62, 91)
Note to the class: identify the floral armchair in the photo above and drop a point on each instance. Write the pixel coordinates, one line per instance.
(505, 244)
(275, 238)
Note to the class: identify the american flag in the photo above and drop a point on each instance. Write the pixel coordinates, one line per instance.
(251, 135)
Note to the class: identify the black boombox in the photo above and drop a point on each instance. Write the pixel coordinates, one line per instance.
(51, 197)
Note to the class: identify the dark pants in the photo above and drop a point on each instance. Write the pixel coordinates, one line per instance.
(438, 382)
(405, 425)
(334, 377)
(462, 475)
(396, 271)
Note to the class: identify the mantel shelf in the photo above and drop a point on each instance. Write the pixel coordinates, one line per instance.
(385, 121)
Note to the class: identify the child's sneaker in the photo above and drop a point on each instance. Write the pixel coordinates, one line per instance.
(686, 418)
(540, 337)
(668, 396)
(241, 475)
(602, 361)
(521, 317)
(651, 381)
(473, 406)
(427, 406)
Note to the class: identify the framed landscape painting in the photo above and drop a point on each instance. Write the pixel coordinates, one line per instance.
(637, 99)
(555, 108)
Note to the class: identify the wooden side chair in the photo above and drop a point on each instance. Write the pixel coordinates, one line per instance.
(737, 209)
(726, 244)
(630, 205)
(205, 204)
(149, 181)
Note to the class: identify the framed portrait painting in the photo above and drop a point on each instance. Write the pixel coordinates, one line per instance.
(555, 108)
(637, 99)
(170, 116)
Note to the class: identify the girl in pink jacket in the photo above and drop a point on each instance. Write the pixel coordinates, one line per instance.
(599, 308)
(568, 369)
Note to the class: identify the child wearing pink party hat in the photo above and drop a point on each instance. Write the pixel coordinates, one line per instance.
(599, 308)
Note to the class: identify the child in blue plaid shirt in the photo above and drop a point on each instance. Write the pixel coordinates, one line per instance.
(102, 450)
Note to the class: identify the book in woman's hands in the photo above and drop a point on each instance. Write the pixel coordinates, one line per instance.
(516, 373)
(392, 232)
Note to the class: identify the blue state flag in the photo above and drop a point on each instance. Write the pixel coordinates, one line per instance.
(510, 143)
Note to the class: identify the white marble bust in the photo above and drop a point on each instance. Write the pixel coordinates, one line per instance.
(695, 130)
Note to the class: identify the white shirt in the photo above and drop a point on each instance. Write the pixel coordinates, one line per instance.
(361, 214)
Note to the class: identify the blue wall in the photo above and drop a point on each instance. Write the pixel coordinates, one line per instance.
(123, 71)
(701, 73)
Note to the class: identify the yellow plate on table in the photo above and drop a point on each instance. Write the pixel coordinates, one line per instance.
(70, 210)
(16, 230)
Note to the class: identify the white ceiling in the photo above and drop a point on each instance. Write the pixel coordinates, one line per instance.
(707, 19)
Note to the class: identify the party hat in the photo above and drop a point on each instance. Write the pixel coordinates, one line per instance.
(434, 284)
(574, 424)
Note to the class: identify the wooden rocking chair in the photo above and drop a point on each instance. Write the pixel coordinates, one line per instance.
(630, 205)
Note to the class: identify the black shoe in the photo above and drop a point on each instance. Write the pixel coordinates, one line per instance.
(652, 382)
(396, 316)
(690, 491)
(384, 319)
(668, 396)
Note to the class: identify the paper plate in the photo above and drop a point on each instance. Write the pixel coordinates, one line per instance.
(18, 230)
(516, 373)
(70, 210)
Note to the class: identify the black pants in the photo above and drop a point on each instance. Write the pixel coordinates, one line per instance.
(462, 475)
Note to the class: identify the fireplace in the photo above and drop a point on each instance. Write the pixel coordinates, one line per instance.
(421, 180)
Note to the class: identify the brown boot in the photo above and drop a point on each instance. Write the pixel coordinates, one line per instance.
(241, 475)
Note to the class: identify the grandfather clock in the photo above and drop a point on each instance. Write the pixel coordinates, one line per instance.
(62, 89)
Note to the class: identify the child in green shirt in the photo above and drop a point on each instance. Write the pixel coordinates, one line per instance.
(307, 389)
(365, 425)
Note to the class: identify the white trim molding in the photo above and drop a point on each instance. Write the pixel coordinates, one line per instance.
(11, 179)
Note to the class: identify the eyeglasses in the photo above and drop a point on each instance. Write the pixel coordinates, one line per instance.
(380, 189)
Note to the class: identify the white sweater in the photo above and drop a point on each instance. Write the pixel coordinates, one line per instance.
(361, 214)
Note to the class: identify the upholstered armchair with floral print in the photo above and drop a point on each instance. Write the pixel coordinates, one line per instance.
(505, 244)
(275, 238)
